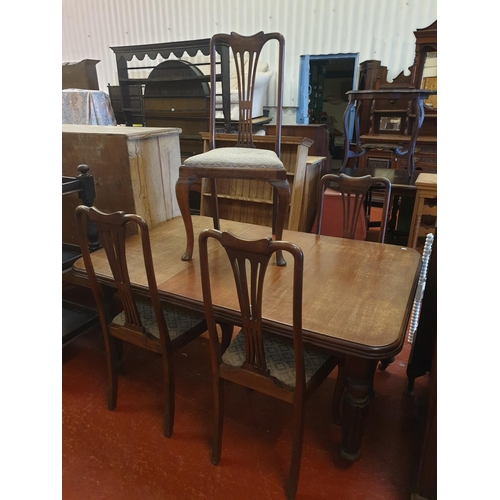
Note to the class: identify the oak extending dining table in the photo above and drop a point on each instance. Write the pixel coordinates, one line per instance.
(357, 297)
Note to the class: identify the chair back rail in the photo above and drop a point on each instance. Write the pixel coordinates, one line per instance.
(354, 191)
(246, 52)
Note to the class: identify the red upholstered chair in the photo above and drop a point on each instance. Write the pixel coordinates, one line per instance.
(286, 370)
(244, 161)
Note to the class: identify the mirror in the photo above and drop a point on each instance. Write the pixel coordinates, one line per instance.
(429, 77)
(390, 123)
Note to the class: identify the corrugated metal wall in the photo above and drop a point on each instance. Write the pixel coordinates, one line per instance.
(376, 29)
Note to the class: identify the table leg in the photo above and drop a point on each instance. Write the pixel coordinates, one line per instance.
(359, 375)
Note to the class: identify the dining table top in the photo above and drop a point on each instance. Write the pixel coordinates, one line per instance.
(357, 295)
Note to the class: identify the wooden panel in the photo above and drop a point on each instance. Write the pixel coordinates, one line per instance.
(314, 171)
(317, 132)
(135, 170)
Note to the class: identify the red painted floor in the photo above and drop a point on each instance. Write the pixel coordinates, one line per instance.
(123, 455)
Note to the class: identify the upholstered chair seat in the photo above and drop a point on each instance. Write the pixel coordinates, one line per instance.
(280, 358)
(178, 320)
(236, 158)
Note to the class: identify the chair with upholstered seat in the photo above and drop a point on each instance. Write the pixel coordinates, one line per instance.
(281, 368)
(353, 192)
(144, 321)
(244, 160)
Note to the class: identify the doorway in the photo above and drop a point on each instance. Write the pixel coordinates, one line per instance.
(323, 83)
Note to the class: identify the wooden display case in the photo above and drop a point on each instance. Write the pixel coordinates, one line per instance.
(250, 201)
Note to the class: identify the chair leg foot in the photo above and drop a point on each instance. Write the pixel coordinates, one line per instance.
(280, 209)
(280, 260)
(384, 363)
(182, 193)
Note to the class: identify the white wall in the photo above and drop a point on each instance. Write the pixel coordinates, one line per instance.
(376, 29)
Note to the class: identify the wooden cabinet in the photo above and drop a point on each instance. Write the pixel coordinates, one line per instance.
(424, 217)
(250, 201)
(135, 170)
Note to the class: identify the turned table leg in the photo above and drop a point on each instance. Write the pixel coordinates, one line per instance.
(359, 375)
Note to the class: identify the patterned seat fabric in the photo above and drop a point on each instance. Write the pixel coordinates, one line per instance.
(236, 157)
(178, 320)
(279, 358)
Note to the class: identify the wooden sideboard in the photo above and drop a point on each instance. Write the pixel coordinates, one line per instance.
(250, 201)
(135, 170)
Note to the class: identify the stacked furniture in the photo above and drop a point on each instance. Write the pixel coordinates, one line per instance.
(175, 93)
(389, 123)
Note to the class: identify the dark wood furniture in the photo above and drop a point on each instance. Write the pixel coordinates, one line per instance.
(390, 277)
(373, 76)
(78, 318)
(353, 192)
(244, 161)
(175, 93)
(255, 359)
(395, 117)
(144, 322)
(403, 191)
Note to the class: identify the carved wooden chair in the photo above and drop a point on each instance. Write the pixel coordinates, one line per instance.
(244, 161)
(144, 321)
(256, 359)
(353, 192)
